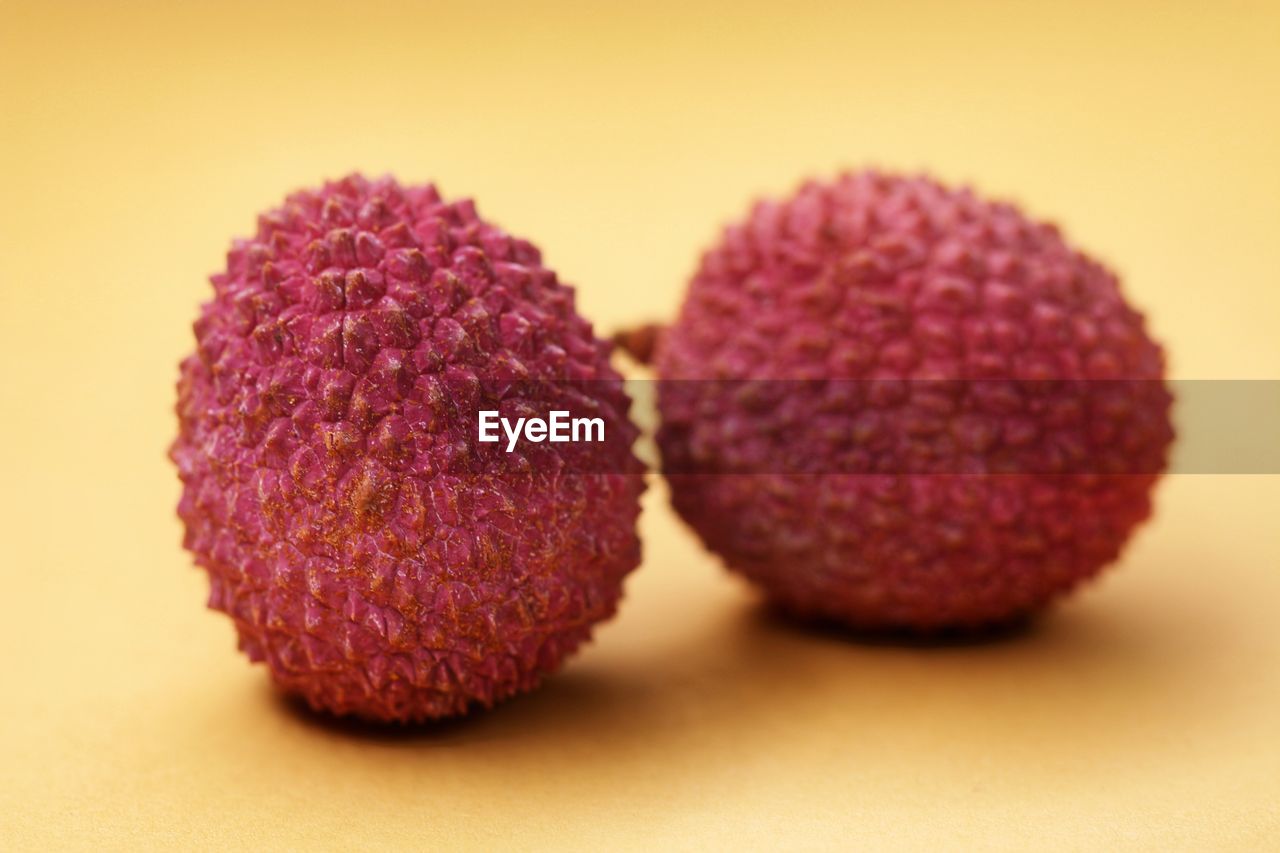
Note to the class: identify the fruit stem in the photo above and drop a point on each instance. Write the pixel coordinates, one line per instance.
(639, 342)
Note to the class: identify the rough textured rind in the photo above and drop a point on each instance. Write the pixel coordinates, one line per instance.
(377, 559)
(966, 496)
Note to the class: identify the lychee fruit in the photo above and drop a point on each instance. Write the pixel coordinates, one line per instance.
(896, 405)
(379, 558)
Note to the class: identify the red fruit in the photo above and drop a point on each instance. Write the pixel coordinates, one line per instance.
(376, 557)
(897, 405)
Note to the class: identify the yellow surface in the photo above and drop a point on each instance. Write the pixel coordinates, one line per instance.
(137, 139)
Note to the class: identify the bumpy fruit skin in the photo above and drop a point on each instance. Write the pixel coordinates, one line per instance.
(380, 561)
(969, 494)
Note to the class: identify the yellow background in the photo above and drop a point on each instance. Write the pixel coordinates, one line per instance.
(137, 139)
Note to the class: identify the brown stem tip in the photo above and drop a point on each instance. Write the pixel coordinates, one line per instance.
(639, 342)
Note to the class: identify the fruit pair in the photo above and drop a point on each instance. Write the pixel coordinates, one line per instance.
(888, 403)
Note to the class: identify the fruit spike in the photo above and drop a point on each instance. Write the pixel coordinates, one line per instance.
(379, 561)
(968, 494)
